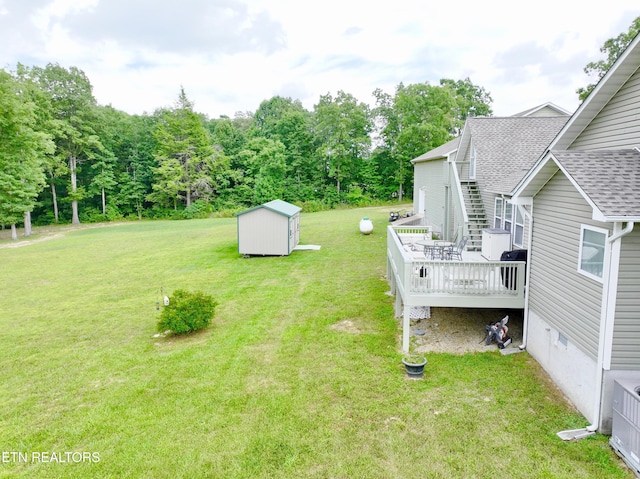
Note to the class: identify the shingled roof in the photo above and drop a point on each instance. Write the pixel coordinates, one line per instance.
(507, 147)
(608, 179)
(439, 152)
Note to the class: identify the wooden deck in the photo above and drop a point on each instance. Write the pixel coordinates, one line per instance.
(474, 282)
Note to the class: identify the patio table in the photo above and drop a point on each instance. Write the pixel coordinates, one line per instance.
(435, 248)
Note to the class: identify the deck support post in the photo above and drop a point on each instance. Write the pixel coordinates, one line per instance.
(398, 306)
(406, 328)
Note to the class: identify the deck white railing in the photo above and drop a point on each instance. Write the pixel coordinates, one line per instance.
(469, 283)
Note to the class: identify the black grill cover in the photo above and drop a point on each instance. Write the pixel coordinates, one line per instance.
(510, 280)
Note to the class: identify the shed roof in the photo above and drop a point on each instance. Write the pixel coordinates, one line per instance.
(277, 206)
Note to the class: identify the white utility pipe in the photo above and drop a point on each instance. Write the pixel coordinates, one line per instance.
(597, 406)
(525, 325)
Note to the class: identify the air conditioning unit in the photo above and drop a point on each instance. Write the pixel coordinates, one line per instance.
(494, 243)
(625, 431)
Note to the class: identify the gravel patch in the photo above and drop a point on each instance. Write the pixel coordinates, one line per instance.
(462, 330)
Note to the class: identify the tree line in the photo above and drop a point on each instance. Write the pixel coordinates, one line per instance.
(64, 158)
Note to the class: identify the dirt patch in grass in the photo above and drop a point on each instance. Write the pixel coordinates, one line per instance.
(19, 243)
(462, 330)
(346, 326)
(43, 233)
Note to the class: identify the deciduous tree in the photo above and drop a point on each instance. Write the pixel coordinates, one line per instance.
(612, 48)
(22, 151)
(73, 112)
(343, 125)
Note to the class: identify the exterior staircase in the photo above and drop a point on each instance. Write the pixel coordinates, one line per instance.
(476, 212)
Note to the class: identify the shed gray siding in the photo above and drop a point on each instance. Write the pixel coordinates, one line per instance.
(618, 124)
(626, 332)
(264, 232)
(566, 299)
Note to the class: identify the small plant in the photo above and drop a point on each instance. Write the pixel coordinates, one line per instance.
(414, 358)
(414, 364)
(187, 312)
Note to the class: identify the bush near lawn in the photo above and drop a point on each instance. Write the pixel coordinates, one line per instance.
(187, 312)
(299, 375)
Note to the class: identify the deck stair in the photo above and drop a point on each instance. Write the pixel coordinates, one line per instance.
(476, 213)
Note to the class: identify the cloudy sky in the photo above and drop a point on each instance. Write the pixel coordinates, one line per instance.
(230, 55)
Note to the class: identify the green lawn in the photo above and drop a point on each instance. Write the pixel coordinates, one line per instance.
(273, 389)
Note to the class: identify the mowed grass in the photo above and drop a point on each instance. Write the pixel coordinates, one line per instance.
(299, 375)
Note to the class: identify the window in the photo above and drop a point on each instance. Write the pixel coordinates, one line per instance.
(518, 232)
(592, 248)
(508, 216)
(562, 339)
(497, 220)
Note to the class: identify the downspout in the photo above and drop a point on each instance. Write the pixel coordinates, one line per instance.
(525, 326)
(604, 330)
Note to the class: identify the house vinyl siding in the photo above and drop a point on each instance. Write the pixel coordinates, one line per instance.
(430, 175)
(618, 124)
(463, 161)
(489, 203)
(626, 332)
(545, 112)
(566, 299)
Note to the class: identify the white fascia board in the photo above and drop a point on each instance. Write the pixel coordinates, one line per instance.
(522, 200)
(522, 187)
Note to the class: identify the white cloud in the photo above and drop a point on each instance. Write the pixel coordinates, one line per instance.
(232, 54)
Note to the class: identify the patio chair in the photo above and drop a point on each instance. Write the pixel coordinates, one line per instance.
(456, 251)
(455, 236)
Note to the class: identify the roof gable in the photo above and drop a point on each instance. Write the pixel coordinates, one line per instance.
(625, 66)
(277, 206)
(507, 147)
(440, 152)
(546, 109)
(607, 179)
(448, 149)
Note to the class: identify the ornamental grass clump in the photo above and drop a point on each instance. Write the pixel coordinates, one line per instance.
(187, 312)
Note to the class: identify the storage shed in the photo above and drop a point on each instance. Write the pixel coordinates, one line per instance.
(270, 229)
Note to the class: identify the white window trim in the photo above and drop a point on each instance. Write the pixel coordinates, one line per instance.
(506, 220)
(595, 229)
(497, 211)
(517, 224)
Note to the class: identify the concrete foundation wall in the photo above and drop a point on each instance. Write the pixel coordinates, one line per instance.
(572, 370)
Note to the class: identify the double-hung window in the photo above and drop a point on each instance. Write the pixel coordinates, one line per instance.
(508, 215)
(593, 242)
(497, 218)
(518, 232)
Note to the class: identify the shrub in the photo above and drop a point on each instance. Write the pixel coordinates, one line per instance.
(197, 209)
(187, 312)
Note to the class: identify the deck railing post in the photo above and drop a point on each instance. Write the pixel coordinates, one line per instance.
(406, 328)
(472, 283)
(521, 279)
